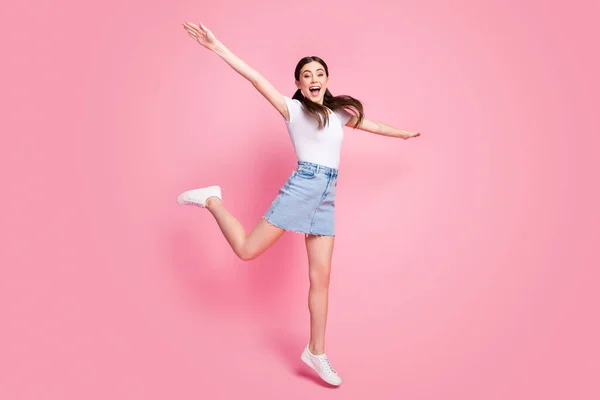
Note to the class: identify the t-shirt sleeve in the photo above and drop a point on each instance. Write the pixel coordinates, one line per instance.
(344, 116)
(294, 108)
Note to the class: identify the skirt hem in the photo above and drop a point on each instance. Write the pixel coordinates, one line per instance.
(296, 230)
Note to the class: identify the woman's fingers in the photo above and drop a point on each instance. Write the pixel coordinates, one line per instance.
(199, 32)
(192, 27)
(193, 32)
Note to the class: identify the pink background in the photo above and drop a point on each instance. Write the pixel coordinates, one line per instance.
(466, 261)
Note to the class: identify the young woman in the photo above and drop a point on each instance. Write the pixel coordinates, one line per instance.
(315, 120)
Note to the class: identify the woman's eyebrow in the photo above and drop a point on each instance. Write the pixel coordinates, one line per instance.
(320, 69)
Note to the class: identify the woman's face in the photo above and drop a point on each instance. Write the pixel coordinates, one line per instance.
(312, 76)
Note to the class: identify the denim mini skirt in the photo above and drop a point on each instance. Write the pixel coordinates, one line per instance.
(306, 201)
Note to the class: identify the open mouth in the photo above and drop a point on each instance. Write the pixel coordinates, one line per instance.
(314, 90)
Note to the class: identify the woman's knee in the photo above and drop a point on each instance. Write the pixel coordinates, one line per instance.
(320, 275)
(246, 253)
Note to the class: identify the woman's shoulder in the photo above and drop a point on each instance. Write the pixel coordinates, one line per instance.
(342, 114)
(295, 108)
(291, 100)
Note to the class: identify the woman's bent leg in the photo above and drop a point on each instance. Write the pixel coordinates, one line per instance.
(246, 247)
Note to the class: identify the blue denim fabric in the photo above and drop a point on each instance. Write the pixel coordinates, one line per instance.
(306, 202)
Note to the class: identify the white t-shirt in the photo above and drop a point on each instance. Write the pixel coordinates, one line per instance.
(321, 147)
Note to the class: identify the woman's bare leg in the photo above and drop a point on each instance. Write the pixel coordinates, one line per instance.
(246, 247)
(320, 252)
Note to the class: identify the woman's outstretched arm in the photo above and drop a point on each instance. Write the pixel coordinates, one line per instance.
(207, 39)
(379, 128)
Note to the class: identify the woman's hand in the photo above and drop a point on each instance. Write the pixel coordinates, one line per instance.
(407, 135)
(202, 35)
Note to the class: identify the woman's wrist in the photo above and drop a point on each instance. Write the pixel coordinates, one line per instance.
(219, 48)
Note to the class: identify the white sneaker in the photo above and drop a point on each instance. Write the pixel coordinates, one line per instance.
(198, 197)
(320, 363)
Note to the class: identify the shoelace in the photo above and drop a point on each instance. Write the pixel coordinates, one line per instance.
(327, 365)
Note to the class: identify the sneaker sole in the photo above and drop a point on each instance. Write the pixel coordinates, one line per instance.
(182, 201)
(304, 358)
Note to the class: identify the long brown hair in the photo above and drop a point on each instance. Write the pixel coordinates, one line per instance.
(321, 112)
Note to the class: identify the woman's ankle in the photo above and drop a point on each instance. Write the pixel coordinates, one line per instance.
(315, 349)
(212, 201)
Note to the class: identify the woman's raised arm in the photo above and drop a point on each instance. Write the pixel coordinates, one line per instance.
(207, 39)
(379, 128)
